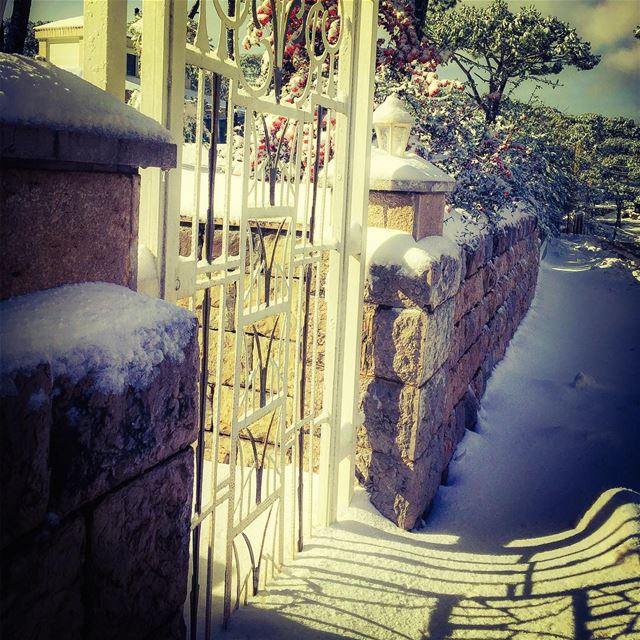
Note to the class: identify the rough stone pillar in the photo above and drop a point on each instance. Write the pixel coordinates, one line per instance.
(407, 194)
(406, 338)
(69, 183)
(98, 384)
(96, 462)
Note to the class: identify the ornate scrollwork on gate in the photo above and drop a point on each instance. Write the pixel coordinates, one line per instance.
(288, 33)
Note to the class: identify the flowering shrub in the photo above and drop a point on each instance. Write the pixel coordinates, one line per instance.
(402, 56)
(510, 159)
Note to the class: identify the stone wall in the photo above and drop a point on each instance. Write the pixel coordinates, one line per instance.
(96, 487)
(430, 341)
(261, 338)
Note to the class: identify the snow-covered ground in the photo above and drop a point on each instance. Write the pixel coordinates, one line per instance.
(628, 234)
(530, 540)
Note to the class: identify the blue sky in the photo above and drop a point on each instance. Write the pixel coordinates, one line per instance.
(612, 88)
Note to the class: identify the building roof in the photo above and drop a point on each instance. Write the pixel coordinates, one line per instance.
(77, 22)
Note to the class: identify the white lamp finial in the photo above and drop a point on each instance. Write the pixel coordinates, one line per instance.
(392, 123)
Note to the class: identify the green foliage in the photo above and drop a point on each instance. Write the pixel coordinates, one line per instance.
(497, 50)
(605, 153)
(30, 42)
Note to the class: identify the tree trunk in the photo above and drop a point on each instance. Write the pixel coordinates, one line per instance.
(420, 9)
(17, 31)
(492, 110)
(618, 224)
(231, 12)
(194, 10)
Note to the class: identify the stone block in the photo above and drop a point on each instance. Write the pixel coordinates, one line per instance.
(471, 326)
(391, 413)
(401, 419)
(487, 365)
(470, 294)
(478, 383)
(266, 357)
(501, 264)
(477, 254)
(406, 345)
(83, 147)
(99, 215)
(264, 428)
(139, 552)
(226, 375)
(438, 348)
(41, 587)
(73, 147)
(444, 279)
(450, 438)
(455, 349)
(400, 491)
(429, 215)
(488, 307)
(489, 277)
(500, 240)
(39, 142)
(471, 407)
(389, 285)
(511, 258)
(230, 295)
(99, 441)
(25, 425)
(457, 422)
(461, 374)
(519, 250)
(173, 629)
(420, 214)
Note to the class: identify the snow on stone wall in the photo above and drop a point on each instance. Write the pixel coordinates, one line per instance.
(92, 330)
(39, 94)
(439, 314)
(98, 399)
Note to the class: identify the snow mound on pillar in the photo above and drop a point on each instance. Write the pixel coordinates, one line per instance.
(390, 247)
(39, 94)
(103, 331)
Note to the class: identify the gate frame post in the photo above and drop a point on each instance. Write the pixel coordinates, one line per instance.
(104, 44)
(345, 284)
(162, 69)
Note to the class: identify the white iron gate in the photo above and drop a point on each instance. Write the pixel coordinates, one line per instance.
(260, 233)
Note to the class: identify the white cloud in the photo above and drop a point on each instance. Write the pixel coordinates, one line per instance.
(609, 22)
(626, 59)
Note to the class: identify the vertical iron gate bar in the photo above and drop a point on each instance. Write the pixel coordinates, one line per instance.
(209, 256)
(308, 270)
(204, 365)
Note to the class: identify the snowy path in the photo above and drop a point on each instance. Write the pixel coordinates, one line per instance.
(499, 558)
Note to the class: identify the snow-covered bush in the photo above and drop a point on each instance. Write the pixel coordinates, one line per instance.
(515, 161)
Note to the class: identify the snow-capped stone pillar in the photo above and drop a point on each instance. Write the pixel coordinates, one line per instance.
(69, 182)
(407, 193)
(98, 412)
(98, 383)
